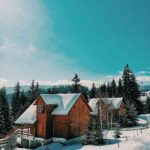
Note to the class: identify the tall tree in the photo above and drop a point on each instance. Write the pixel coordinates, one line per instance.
(93, 91)
(120, 88)
(130, 89)
(37, 90)
(2, 121)
(103, 90)
(147, 106)
(131, 113)
(15, 103)
(33, 91)
(5, 109)
(109, 90)
(113, 88)
(76, 85)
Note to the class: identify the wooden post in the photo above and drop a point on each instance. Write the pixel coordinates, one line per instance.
(118, 144)
(29, 144)
(21, 134)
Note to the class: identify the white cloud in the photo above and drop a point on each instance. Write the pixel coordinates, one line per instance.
(3, 82)
(143, 79)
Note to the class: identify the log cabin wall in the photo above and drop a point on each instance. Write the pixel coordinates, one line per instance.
(75, 123)
(44, 124)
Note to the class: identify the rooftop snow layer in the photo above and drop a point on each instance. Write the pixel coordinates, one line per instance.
(93, 105)
(64, 103)
(114, 103)
(29, 116)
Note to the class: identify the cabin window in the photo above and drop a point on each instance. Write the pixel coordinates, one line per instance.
(41, 109)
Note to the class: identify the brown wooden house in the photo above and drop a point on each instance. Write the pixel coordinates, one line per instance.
(111, 109)
(57, 115)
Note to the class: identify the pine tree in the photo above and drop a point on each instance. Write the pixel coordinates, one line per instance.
(103, 90)
(130, 89)
(32, 92)
(2, 121)
(15, 103)
(76, 85)
(109, 90)
(93, 91)
(147, 106)
(120, 88)
(113, 88)
(131, 114)
(37, 90)
(5, 109)
(91, 133)
(117, 132)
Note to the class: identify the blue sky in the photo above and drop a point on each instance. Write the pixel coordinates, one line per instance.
(50, 40)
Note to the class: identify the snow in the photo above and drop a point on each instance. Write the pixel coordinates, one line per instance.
(147, 93)
(64, 103)
(67, 101)
(143, 119)
(93, 105)
(29, 116)
(143, 99)
(114, 103)
(137, 140)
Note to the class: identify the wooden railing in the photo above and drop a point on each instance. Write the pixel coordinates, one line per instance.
(10, 141)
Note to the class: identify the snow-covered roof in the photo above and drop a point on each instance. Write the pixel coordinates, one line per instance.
(114, 103)
(64, 103)
(29, 116)
(93, 105)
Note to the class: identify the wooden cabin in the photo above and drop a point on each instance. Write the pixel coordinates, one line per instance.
(111, 109)
(57, 115)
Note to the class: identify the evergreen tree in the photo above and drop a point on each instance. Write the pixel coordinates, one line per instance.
(76, 85)
(120, 88)
(33, 92)
(147, 106)
(37, 90)
(15, 103)
(2, 121)
(103, 90)
(117, 131)
(109, 90)
(93, 91)
(113, 88)
(131, 114)
(84, 91)
(6, 110)
(130, 89)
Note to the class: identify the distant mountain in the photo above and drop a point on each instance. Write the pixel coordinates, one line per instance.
(25, 88)
(145, 88)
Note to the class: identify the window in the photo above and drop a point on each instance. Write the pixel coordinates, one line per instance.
(41, 109)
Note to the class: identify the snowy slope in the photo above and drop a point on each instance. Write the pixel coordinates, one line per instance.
(136, 141)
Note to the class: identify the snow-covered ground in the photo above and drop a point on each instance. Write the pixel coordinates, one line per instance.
(137, 140)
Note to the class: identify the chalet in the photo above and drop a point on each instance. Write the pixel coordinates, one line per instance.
(57, 115)
(111, 109)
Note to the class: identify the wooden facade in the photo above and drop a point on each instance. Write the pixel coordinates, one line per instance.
(110, 116)
(67, 126)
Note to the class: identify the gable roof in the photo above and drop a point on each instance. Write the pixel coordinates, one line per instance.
(64, 104)
(114, 103)
(29, 116)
